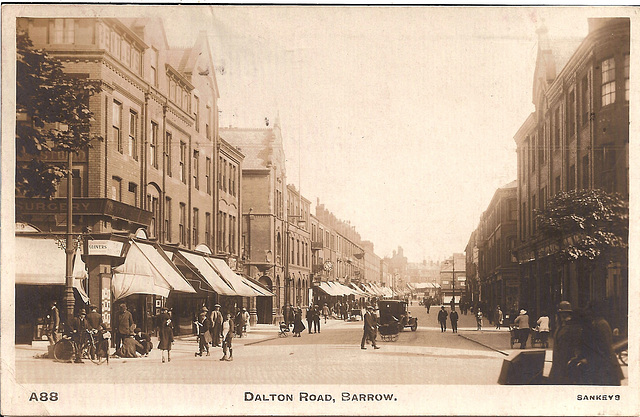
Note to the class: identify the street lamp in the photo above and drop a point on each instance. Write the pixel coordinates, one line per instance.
(69, 300)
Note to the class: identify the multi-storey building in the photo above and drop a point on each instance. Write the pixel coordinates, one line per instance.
(298, 275)
(371, 264)
(497, 271)
(264, 193)
(453, 279)
(154, 165)
(577, 138)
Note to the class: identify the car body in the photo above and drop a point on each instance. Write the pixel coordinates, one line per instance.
(396, 311)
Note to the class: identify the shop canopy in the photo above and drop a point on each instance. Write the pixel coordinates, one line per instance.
(147, 270)
(239, 284)
(343, 288)
(357, 290)
(40, 261)
(327, 289)
(199, 264)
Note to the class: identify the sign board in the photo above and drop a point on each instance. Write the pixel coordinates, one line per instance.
(105, 299)
(105, 247)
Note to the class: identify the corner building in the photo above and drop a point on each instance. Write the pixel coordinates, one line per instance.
(160, 164)
(577, 138)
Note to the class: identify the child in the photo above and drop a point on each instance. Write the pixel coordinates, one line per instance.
(203, 327)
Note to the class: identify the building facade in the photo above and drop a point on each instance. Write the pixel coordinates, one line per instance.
(497, 270)
(264, 194)
(453, 279)
(299, 249)
(577, 138)
(159, 164)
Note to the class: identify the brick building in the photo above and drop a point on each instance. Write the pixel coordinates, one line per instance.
(577, 138)
(157, 164)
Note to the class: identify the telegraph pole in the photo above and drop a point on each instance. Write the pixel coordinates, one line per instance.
(69, 300)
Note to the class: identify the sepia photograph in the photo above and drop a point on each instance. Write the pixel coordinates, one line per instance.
(318, 210)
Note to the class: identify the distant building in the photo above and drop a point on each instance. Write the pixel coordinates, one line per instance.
(453, 278)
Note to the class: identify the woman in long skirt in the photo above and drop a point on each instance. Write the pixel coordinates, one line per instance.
(298, 326)
(165, 334)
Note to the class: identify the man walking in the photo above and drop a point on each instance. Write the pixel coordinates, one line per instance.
(309, 318)
(522, 323)
(316, 319)
(124, 323)
(53, 324)
(227, 338)
(216, 321)
(370, 328)
(442, 318)
(454, 320)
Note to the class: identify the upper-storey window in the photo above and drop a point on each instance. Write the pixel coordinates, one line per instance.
(154, 67)
(117, 124)
(196, 112)
(608, 81)
(115, 44)
(626, 77)
(62, 31)
(135, 61)
(584, 99)
(571, 113)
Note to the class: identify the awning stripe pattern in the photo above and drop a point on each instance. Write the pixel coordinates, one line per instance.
(239, 284)
(146, 270)
(210, 275)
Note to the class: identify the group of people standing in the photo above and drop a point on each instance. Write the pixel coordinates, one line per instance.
(217, 329)
(453, 317)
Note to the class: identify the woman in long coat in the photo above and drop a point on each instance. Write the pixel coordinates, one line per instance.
(165, 334)
(298, 326)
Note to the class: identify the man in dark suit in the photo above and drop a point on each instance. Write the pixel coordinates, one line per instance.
(370, 328)
(310, 318)
(124, 323)
(453, 316)
(442, 318)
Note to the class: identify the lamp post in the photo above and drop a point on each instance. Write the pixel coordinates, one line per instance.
(69, 300)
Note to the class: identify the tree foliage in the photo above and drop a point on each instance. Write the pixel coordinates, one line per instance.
(591, 224)
(55, 117)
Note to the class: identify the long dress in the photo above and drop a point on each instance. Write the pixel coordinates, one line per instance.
(298, 326)
(165, 334)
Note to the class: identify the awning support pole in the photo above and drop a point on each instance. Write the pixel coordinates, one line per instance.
(69, 299)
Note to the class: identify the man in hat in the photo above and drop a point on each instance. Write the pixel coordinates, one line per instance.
(124, 324)
(145, 342)
(227, 338)
(566, 346)
(442, 318)
(52, 322)
(370, 328)
(78, 332)
(522, 323)
(203, 327)
(94, 319)
(216, 322)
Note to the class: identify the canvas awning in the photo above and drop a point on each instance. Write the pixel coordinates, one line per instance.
(327, 289)
(238, 283)
(357, 290)
(147, 270)
(207, 272)
(39, 261)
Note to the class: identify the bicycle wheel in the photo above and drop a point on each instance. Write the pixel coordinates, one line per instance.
(63, 350)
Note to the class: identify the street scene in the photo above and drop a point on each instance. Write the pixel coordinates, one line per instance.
(351, 196)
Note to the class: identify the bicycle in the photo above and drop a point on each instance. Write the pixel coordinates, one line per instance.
(93, 348)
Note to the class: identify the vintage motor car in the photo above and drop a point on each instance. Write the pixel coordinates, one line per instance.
(395, 312)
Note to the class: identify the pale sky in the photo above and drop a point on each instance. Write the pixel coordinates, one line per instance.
(401, 119)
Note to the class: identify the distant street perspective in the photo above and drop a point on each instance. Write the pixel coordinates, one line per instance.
(302, 195)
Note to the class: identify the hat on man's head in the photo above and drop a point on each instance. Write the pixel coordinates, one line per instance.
(137, 330)
(564, 306)
(82, 311)
(204, 309)
(523, 311)
(217, 305)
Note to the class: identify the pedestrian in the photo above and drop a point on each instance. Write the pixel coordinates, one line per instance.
(239, 322)
(310, 318)
(94, 319)
(165, 333)
(203, 327)
(227, 337)
(499, 317)
(316, 318)
(428, 304)
(298, 326)
(370, 328)
(479, 320)
(145, 342)
(566, 346)
(599, 363)
(543, 329)
(325, 312)
(52, 322)
(245, 317)
(78, 332)
(124, 324)
(216, 321)
(453, 316)
(522, 323)
(442, 318)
